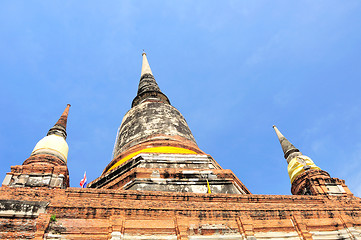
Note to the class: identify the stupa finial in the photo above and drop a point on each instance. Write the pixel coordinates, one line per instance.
(287, 147)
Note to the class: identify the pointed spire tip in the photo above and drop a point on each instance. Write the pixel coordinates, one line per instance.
(145, 65)
(287, 147)
(60, 126)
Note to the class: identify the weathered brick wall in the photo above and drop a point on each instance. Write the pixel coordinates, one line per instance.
(37, 175)
(103, 214)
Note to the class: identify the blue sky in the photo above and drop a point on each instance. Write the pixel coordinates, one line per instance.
(233, 69)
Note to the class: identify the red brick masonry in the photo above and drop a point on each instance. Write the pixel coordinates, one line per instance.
(96, 213)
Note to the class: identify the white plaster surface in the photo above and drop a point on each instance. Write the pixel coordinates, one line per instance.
(217, 236)
(7, 179)
(20, 209)
(350, 233)
(149, 237)
(277, 235)
(117, 236)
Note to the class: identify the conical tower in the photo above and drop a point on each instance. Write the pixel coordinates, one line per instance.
(46, 166)
(289, 150)
(155, 150)
(60, 126)
(152, 122)
(307, 178)
(53, 143)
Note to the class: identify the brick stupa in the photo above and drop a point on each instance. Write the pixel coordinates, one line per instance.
(160, 185)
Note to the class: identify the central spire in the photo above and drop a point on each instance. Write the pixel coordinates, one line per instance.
(155, 150)
(148, 89)
(152, 122)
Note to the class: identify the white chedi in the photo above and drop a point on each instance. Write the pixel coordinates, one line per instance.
(52, 144)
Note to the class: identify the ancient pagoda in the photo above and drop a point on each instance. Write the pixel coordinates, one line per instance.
(161, 185)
